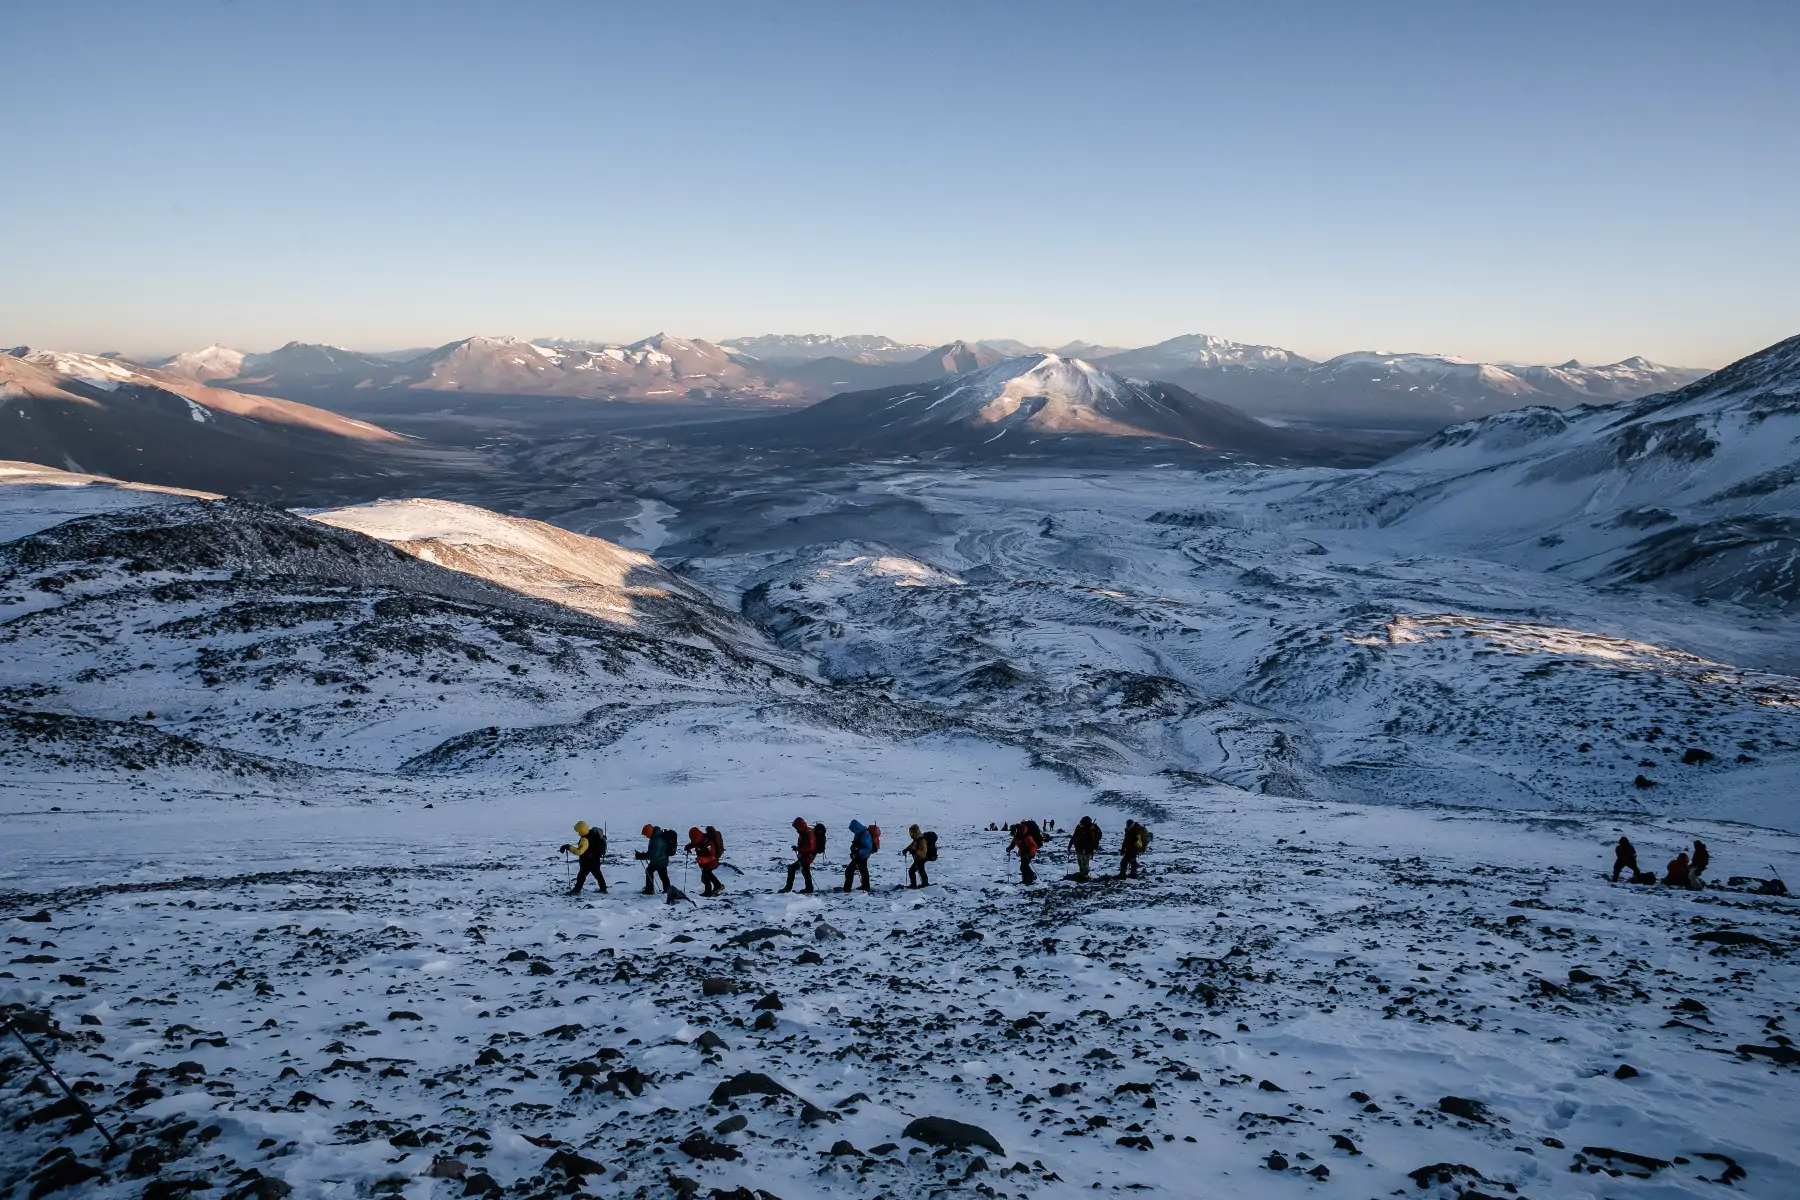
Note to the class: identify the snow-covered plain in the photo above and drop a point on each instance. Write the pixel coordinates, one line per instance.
(290, 799)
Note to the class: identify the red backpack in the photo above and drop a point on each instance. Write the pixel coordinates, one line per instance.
(874, 839)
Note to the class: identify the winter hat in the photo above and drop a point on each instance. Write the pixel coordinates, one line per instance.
(800, 823)
(693, 833)
(649, 829)
(581, 827)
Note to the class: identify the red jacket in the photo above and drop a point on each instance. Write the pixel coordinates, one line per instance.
(807, 845)
(1024, 843)
(706, 850)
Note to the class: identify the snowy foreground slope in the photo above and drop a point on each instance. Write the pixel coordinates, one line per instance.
(288, 795)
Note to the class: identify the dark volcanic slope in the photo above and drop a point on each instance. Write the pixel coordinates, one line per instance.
(106, 417)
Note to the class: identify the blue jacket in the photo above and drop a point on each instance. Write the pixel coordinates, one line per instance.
(862, 845)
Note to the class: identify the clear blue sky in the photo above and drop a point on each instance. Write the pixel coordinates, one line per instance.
(1502, 180)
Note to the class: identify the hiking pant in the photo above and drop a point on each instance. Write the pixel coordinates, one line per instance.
(654, 871)
(1026, 874)
(801, 867)
(915, 874)
(1695, 880)
(1622, 864)
(857, 866)
(1082, 861)
(589, 866)
(1128, 865)
(709, 877)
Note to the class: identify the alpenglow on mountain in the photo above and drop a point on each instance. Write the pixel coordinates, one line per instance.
(1029, 404)
(1420, 390)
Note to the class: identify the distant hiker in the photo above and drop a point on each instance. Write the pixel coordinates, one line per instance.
(1027, 844)
(1134, 843)
(809, 842)
(923, 849)
(655, 857)
(707, 846)
(1624, 858)
(1085, 842)
(863, 844)
(1678, 871)
(588, 849)
(1697, 865)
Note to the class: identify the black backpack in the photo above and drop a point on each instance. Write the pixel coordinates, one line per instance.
(596, 840)
(1037, 835)
(819, 838)
(671, 842)
(931, 847)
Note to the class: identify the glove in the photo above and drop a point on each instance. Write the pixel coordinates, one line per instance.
(566, 848)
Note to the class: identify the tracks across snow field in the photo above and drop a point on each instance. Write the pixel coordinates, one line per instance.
(1298, 998)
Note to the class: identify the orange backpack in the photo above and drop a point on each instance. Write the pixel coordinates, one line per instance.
(874, 839)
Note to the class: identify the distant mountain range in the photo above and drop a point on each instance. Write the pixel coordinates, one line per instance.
(86, 413)
(1423, 390)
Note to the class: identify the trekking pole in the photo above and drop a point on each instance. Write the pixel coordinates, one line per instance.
(69, 1091)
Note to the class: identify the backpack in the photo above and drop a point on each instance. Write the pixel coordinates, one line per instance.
(819, 838)
(1037, 835)
(596, 840)
(1141, 837)
(874, 839)
(718, 844)
(931, 847)
(671, 843)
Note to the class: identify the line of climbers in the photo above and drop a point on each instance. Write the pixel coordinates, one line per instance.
(708, 848)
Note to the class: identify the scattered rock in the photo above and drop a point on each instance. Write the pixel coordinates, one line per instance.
(718, 986)
(40, 917)
(1276, 1162)
(1785, 1056)
(758, 935)
(698, 1146)
(572, 1165)
(1640, 1165)
(732, 1124)
(1340, 1142)
(1446, 1173)
(943, 1131)
(843, 1149)
(747, 1083)
(1732, 937)
(1625, 1071)
(1468, 1110)
(769, 1003)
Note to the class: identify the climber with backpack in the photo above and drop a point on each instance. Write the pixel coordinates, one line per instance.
(655, 856)
(1134, 843)
(864, 842)
(922, 849)
(707, 846)
(1085, 843)
(1026, 839)
(589, 848)
(809, 843)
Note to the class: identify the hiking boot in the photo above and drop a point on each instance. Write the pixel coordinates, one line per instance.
(649, 891)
